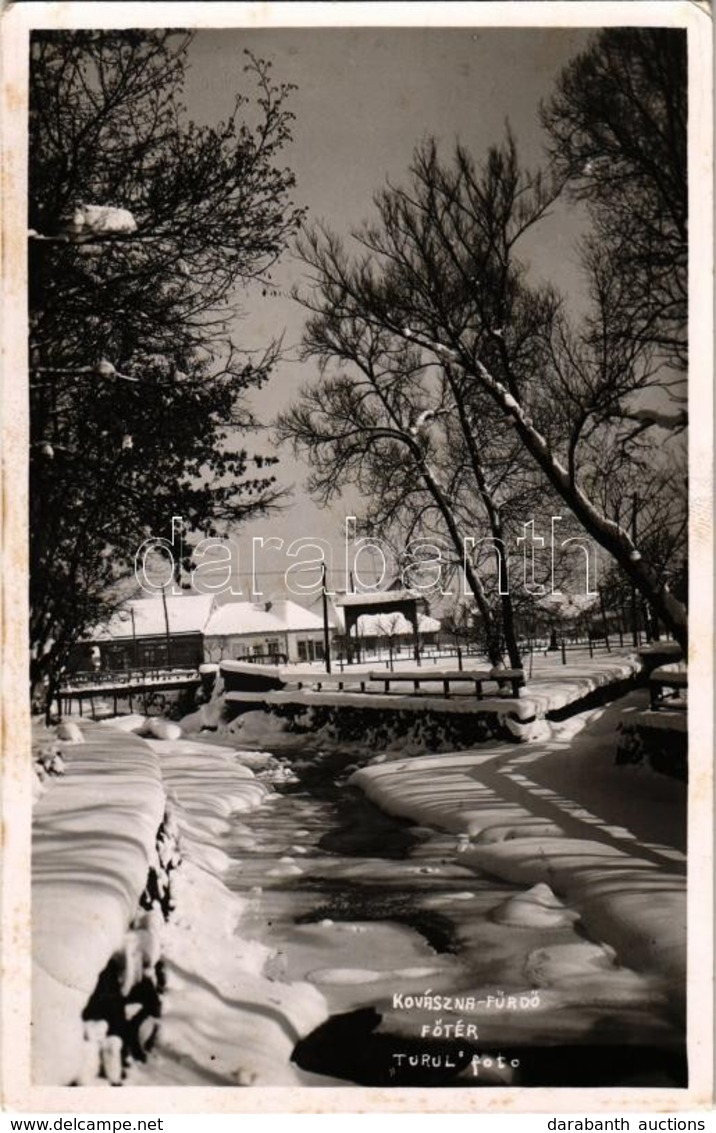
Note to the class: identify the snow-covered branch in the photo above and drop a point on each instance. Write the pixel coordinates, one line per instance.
(679, 419)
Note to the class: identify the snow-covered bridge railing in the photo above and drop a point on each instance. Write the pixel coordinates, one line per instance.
(418, 678)
(100, 678)
(350, 681)
(123, 684)
(515, 678)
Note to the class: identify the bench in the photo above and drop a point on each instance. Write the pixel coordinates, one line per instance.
(671, 677)
(478, 677)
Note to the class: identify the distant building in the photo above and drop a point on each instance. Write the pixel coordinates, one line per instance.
(195, 629)
(280, 629)
(144, 634)
(377, 630)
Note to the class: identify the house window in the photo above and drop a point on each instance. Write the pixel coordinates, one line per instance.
(309, 650)
(272, 647)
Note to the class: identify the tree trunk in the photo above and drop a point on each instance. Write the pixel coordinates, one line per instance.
(38, 691)
(494, 649)
(508, 622)
(52, 691)
(46, 676)
(608, 534)
(493, 645)
(494, 519)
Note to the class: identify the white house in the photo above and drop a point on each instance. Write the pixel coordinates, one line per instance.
(280, 629)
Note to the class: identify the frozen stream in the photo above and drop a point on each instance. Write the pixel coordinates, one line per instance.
(379, 914)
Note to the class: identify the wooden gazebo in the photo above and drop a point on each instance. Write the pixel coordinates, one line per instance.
(409, 603)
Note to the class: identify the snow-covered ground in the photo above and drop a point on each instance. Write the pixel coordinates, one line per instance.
(609, 841)
(223, 1021)
(94, 840)
(597, 851)
(94, 834)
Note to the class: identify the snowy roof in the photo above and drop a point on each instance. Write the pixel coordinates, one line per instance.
(186, 614)
(391, 625)
(248, 617)
(378, 598)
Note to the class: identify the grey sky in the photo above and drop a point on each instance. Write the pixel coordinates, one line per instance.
(365, 97)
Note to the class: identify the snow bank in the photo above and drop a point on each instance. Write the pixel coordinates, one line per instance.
(93, 840)
(663, 719)
(207, 715)
(518, 814)
(625, 901)
(442, 790)
(537, 908)
(224, 1022)
(550, 690)
(132, 722)
(261, 726)
(163, 729)
(69, 732)
(155, 727)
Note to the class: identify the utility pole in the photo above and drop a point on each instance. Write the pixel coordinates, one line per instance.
(166, 626)
(326, 636)
(348, 636)
(634, 605)
(605, 623)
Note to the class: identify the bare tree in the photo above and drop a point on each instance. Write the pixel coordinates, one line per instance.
(439, 272)
(617, 123)
(369, 427)
(143, 226)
